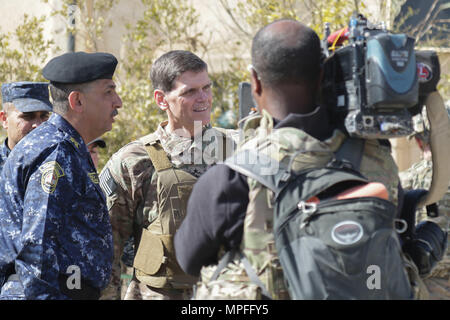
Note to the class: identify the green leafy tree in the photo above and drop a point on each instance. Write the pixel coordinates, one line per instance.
(164, 25)
(431, 24)
(23, 52)
(90, 19)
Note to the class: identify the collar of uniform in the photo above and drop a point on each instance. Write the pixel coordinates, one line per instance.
(72, 135)
(174, 144)
(316, 123)
(4, 149)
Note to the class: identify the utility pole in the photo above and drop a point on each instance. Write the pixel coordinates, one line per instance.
(71, 23)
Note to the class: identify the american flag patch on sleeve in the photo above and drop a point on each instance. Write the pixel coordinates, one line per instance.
(107, 182)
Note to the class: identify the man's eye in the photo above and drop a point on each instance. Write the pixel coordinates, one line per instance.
(27, 116)
(189, 93)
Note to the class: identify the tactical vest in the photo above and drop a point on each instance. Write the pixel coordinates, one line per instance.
(155, 262)
(257, 245)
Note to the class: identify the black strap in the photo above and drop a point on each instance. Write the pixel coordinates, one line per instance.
(253, 276)
(227, 258)
(351, 151)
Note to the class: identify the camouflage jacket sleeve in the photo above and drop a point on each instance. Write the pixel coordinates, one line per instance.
(407, 178)
(418, 176)
(125, 180)
(378, 164)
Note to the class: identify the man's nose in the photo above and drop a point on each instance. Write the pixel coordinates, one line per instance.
(37, 122)
(203, 95)
(118, 102)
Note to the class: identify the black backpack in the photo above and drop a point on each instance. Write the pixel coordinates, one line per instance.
(328, 248)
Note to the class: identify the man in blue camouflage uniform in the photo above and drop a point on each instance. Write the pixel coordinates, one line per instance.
(25, 106)
(4, 153)
(93, 149)
(55, 234)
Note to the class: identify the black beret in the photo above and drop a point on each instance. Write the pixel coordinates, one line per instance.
(80, 67)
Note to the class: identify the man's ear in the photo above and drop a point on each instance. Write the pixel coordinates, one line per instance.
(256, 83)
(75, 102)
(160, 99)
(4, 119)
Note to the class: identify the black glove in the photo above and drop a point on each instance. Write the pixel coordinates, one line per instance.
(427, 247)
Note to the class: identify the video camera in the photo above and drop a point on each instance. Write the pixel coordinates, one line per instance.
(375, 84)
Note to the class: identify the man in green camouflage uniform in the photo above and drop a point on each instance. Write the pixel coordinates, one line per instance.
(185, 146)
(419, 176)
(238, 213)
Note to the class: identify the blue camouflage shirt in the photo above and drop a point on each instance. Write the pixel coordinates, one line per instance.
(53, 215)
(4, 153)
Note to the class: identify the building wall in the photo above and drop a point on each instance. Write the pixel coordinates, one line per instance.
(215, 24)
(55, 28)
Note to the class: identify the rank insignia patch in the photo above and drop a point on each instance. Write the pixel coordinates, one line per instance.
(75, 143)
(93, 176)
(51, 172)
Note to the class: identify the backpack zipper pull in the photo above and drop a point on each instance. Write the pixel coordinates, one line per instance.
(308, 208)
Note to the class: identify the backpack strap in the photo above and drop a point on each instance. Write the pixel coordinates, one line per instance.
(351, 151)
(228, 257)
(259, 167)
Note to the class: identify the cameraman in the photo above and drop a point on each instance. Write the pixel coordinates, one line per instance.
(419, 176)
(285, 79)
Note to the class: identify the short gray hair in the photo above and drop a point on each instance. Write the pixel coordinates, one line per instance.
(60, 94)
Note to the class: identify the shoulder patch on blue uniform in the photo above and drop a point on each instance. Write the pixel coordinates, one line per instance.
(93, 176)
(51, 172)
(107, 182)
(75, 142)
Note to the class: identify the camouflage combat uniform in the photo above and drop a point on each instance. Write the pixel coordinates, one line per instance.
(258, 242)
(419, 177)
(130, 182)
(53, 218)
(4, 153)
